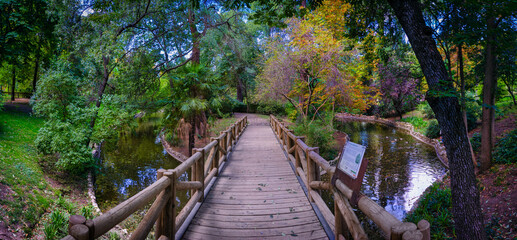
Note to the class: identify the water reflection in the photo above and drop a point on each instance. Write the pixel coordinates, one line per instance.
(400, 168)
(130, 165)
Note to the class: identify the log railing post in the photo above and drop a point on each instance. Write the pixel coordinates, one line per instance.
(159, 227)
(310, 171)
(168, 217)
(80, 228)
(217, 155)
(200, 171)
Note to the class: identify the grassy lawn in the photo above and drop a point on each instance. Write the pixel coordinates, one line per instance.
(220, 125)
(26, 195)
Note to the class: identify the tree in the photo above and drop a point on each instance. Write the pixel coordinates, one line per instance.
(397, 85)
(441, 96)
(306, 67)
(467, 211)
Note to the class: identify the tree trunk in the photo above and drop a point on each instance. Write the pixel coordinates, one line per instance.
(510, 90)
(195, 59)
(100, 93)
(191, 136)
(240, 91)
(466, 210)
(196, 52)
(13, 85)
(463, 99)
(489, 87)
(35, 77)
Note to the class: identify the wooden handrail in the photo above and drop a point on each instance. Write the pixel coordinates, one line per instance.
(307, 162)
(205, 164)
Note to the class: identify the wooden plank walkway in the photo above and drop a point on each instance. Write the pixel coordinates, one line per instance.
(257, 195)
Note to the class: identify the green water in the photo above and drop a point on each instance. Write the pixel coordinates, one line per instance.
(130, 165)
(399, 168)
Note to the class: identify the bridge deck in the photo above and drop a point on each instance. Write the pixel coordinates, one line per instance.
(256, 196)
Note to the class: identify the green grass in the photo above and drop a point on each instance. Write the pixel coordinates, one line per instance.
(27, 207)
(418, 122)
(220, 125)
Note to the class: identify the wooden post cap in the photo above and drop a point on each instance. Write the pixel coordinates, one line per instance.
(412, 235)
(74, 220)
(423, 225)
(398, 230)
(80, 232)
(425, 228)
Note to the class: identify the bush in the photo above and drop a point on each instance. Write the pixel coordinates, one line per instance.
(426, 110)
(506, 149)
(417, 122)
(473, 110)
(433, 129)
(435, 207)
(57, 227)
(318, 134)
(475, 142)
(275, 108)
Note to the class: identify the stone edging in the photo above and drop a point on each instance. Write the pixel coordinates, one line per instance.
(174, 154)
(407, 127)
(121, 232)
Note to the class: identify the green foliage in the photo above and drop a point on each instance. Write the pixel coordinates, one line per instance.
(475, 142)
(318, 134)
(57, 227)
(426, 110)
(417, 122)
(433, 129)
(473, 110)
(275, 108)
(66, 130)
(435, 207)
(506, 149)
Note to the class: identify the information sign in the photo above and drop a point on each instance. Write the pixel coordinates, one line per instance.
(351, 168)
(351, 159)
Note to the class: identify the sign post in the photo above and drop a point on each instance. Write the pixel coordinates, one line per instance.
(351, 168)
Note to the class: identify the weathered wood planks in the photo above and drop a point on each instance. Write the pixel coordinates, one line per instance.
(256, 196)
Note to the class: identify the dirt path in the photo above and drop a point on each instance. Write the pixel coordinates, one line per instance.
(19, 105)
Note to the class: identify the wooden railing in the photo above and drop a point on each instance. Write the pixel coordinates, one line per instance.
(18, 94)
(204, 165)
(310, 165)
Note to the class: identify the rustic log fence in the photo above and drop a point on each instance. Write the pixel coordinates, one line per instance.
(309, 165)
(204, 164)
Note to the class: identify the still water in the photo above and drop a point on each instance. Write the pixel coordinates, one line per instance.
(130, 164)
(399, 168)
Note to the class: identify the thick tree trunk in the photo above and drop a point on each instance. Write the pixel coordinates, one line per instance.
(240, 94)
(466, 209)
(489, 87)
(35, 77)
(195, 59)
(13, 85)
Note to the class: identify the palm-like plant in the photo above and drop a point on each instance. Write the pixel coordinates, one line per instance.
(193, 94)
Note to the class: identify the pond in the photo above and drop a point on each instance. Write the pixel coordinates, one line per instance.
(130, 164)
(399, 168)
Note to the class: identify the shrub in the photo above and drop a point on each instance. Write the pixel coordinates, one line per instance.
(433, 129)
(475, 141)
(275, 108)
(318, 134)
(57, 227)
(506, 149)
(435, 207)
(426, 110)
(417, 122)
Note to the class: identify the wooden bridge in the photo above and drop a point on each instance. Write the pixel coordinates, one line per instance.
(261, 183)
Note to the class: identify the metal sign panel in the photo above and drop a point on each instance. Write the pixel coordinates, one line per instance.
(351, 159)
